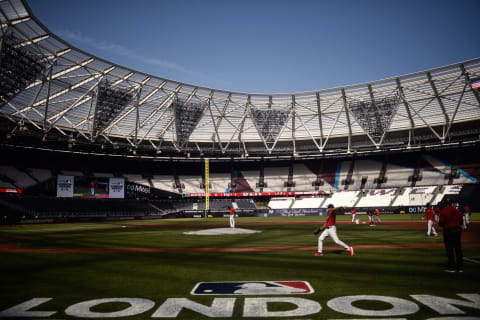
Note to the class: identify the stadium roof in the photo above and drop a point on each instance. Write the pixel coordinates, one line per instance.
(61, 92)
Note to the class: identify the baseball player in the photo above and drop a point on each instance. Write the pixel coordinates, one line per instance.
(466, 217)
(329, 229)
(429, 214)
(92, 188)
(377, 214)
(370, 215)
(232, 217)
(451, 220)
(437, 214)
(354, 213)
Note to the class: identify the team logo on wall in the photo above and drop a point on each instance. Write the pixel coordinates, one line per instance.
(252, 288)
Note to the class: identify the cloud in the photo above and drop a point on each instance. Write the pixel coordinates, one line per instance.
(114, 48)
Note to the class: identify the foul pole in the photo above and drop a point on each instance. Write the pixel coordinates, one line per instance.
(207, 191)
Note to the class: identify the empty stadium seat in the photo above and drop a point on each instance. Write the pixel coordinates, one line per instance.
(303, 177)
(164, 182)
(307, 202)
(416, 196)
(280, 203)
(342, 198)
(275, 178)
(377, 198)
(18, 178)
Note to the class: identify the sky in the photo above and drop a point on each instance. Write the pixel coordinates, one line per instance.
(269, 46)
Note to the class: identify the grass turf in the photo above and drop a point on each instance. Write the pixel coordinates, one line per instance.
(74, 277)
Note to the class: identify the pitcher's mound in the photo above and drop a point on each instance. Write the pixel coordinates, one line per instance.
(221, 231)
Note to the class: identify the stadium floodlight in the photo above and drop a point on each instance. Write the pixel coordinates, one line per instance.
(110, 102)
(375, 117)
(269, 124)
(187, 116)
(19, 67)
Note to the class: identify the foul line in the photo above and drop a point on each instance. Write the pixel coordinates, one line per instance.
(471, 260)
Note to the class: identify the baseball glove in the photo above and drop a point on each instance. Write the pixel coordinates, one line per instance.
(317, 231)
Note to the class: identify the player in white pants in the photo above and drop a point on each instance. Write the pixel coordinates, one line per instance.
(437, 214)
(354, 213)
(329, 229)
(429, 214)
(377, 216)
(370, 215)
(232, 217)
(466, 217)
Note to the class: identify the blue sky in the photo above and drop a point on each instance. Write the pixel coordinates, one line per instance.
(269, 46)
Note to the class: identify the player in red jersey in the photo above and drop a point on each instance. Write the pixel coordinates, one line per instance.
(329, 229)
(437, 214)
(377, 214)
(232, 217)
(429, 214)
(451, 220)
(354, 213)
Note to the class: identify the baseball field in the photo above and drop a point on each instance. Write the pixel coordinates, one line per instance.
(152, 269)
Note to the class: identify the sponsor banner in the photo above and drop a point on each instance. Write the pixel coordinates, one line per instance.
(252, 288)
(9, 190)
(137, 188)
(116, 188)
(34, 221)
(380, 192)
(256, 194)
(297, 212)
(65, 186)
(419, 209)
(455, 189)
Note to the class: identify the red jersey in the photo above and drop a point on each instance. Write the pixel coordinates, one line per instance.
(232, 211)
(377, 212)
(429, 214)
(437, 211)
(353, 211)
(330, 219)
(450, 217)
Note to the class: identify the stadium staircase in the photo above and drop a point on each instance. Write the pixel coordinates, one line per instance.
(160, 211)
(398, 192)
(381, 177)
(325, 200)
(290, 183)
(361, 194)
(438, 190)
(29, 174)
(9, 180)
(261, 181)
(416, 174)
(348, 180)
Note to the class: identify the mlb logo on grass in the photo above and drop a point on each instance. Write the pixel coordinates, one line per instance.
(252, 288)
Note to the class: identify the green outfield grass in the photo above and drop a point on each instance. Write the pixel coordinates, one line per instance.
(71, 278)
